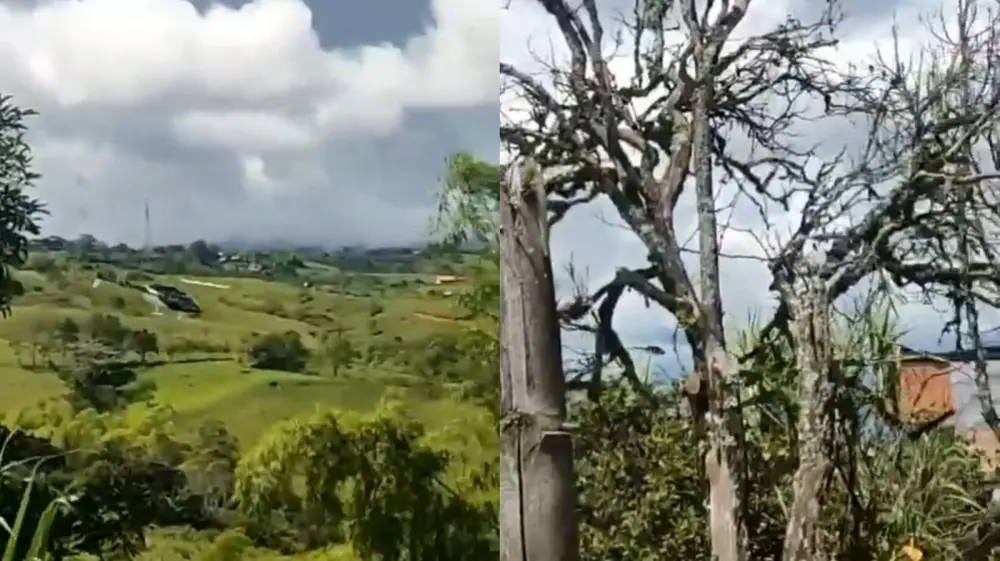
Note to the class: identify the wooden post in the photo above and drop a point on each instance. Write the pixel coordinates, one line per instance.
(537, 488)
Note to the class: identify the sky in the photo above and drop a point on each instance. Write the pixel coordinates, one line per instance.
(323, 122)
(309, 121)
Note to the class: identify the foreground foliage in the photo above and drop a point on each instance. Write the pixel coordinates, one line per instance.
(331, 478)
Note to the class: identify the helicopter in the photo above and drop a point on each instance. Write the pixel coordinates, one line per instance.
(160, 296)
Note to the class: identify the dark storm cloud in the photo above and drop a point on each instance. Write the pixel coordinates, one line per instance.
(368, 190)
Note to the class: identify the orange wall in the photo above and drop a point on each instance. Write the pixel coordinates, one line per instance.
(924, 388)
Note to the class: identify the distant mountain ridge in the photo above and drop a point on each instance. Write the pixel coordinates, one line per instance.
(237, 244)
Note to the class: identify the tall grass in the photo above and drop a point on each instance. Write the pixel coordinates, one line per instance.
(40, 533)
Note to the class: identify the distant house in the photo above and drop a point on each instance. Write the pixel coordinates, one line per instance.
(924, 386)
(934, 384)
(447, 279)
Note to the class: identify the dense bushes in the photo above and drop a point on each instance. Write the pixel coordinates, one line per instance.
(278, 351)
(641, 489)
(331, 477)
(108, 495)
(375, 482)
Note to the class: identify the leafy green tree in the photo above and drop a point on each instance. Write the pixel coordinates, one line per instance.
(85, 244)
(40, 342)
(468, 212)
(109, 330)
(98, 377)
(339, 350)
(19, 212)
(42, 263)
(640, 487)
(67, 332)
(144, 343)
(127, 496)
(333, 477)
(202, 252)
(97, 502)
(211, 463)
(468, 203)
(278, 351)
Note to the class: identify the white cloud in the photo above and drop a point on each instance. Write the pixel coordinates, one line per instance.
(223, 116)
(261, 57)
(243, 130)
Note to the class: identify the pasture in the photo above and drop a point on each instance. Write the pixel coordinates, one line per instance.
(200, 372)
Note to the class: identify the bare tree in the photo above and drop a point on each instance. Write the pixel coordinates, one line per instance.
(915, 206)
(642, 145)
(537, 489)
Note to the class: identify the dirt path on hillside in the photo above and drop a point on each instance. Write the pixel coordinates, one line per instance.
(432, 317)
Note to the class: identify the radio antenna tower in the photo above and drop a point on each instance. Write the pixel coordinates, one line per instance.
(148, 240)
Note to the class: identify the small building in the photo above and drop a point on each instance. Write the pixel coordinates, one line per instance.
(940, 383)
(447, 279)
(925, 386)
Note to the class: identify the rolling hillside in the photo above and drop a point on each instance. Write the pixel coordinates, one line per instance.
(200, 371)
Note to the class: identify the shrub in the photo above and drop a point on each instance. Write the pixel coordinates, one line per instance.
(278, 351)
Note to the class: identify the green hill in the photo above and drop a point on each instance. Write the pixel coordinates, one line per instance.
(200, 371)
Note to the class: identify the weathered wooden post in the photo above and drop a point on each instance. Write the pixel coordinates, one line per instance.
(537, 491)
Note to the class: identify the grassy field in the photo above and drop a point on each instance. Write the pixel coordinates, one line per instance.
(214, 384)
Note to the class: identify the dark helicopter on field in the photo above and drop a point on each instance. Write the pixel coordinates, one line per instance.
(158, 295)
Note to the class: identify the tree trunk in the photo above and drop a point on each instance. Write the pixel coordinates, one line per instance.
(727, 528)
(537, 490)
(723, 460)
(811, 332)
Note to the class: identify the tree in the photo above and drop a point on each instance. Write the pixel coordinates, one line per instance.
(200, 250)
(468, 208)
(339, 350)
(278, 351)
(109, 330)
(18, 210)
(591, 140)
(537, 517)
(67, 332)
(85, 244)
(97, 376)
(913, 205)
(104, 498)
(143, 343)
(468, 214)
(675, 129)
(41, 342)
(370, 482)
(920, 198)
(211, 464)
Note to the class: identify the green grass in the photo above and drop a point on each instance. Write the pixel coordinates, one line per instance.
(205, 386)
(247, 401)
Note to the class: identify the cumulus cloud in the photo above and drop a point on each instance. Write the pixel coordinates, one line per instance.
(266, 53)
(252, 106)
(596, 240)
